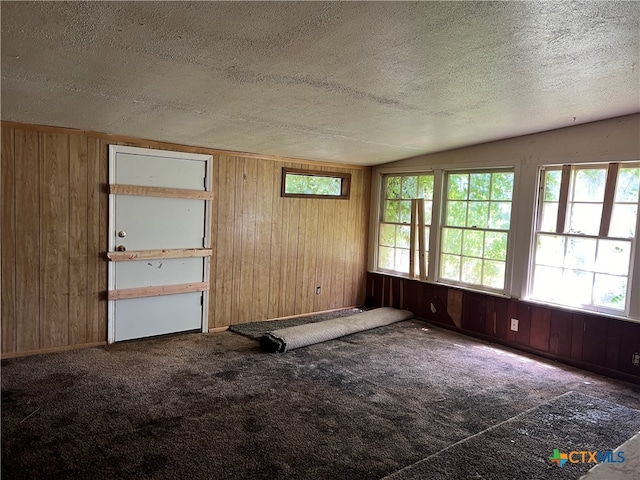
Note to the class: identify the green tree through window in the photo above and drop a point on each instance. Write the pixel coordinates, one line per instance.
(475, 232)
(583, 263)
(395, 225)
(317, 184)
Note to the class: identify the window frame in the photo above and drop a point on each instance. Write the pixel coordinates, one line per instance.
(563, 222)
(419, 256)
(435, 227)
(345, 183)
(511, 232)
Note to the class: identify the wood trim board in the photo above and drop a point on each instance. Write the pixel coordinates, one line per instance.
(140, 292)
(156, 254)
(137, 190)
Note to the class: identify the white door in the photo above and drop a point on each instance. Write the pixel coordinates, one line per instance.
(158, 242)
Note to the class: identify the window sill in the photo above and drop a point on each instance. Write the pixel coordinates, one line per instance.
(583, 311)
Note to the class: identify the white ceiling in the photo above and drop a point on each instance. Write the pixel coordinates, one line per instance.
(355, 82)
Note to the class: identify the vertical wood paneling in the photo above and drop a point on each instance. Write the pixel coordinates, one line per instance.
(8, 270)
(490, 316)
(512, 312)
(103, 238)
(501, 306)
(276, 246)
(264, 226)
(225, 242)
(577, 336)
(28, 240)
(269, 253)
(594, 343)
(629, 344)
(54, 238)
(454, 306)
(560, 333)
(302, 280)
(352, 253)
(540, 328)
(95, 282)
(289, 273)
(323, 269)
(339, 255)
(238, 219)
(246, 294)
(78, 262)
(524, 324)
(612, 347)
(310, 255)
(215, 182)
(473, 312)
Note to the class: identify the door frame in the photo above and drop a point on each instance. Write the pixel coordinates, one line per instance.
(208, 187)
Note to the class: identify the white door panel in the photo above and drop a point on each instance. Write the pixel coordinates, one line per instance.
(149, 224)
(154, 171)
(154, 273)
(154, 223)
(145, 317)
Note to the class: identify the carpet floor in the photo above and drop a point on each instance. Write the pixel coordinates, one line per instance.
(214, 406)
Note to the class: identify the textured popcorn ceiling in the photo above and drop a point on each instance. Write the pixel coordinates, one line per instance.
(354, 82)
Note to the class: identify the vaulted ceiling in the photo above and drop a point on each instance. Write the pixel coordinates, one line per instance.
(353, 82)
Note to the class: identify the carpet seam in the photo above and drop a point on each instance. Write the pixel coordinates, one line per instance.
(489, 429)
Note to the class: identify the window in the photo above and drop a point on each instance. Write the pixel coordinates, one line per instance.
(475, 228)
(315, 184)
(397, 224)
(585, 236)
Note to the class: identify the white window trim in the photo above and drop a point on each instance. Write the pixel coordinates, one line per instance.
(438, 172)
(632, 309)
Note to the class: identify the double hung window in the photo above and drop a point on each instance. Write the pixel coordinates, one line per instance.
(475, 228)
(585, 235)
(396, 227)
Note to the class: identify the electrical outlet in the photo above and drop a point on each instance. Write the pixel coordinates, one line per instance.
(636, 358)
(514, 324)
(318, 290)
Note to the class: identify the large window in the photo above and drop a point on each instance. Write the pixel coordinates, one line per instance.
(475, 228)
(585, 235)
(472, 230)
(397, 224)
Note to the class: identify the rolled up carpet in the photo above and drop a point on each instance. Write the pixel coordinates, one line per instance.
(287, 339)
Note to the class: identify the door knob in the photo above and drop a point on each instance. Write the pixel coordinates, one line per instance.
(122, 234)
(121, 248)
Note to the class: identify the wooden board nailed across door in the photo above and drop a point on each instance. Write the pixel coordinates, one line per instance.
(159, 245)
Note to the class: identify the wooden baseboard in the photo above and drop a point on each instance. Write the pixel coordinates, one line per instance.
(218, 329)
(42, 351)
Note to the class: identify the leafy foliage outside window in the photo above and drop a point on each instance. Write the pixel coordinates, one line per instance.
(475, 229)
(315, 184)
(395, 225)
(579, 266)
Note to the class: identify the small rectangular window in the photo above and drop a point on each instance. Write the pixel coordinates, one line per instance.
(315, 184)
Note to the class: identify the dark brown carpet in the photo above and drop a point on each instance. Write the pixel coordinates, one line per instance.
(216, 407)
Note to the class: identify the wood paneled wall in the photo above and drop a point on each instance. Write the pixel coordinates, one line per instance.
(600, 344)
(54, 220)
(270, 253)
